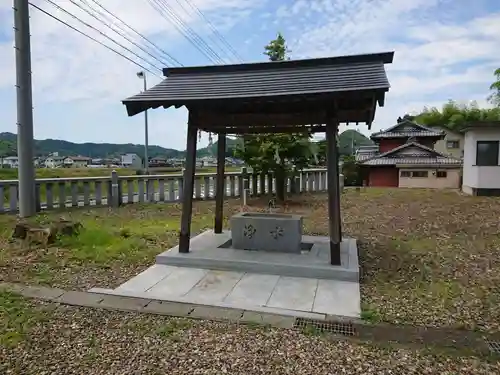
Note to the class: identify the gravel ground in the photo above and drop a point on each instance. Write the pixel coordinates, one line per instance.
(70, 340)
(428, 257)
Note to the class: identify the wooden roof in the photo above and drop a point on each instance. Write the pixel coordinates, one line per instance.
(412, 153)
(285, 94)
(407, 129)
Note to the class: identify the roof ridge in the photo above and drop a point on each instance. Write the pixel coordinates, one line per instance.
(406, 145)
(407, 122)
(382, 57)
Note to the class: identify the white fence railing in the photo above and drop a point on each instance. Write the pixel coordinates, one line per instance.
(58, 193)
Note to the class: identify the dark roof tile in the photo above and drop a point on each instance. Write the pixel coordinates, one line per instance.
(271, 79)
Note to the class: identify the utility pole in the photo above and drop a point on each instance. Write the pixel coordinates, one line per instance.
(25, 143)
(142, 75)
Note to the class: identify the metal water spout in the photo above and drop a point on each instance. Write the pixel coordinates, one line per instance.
(271, 205)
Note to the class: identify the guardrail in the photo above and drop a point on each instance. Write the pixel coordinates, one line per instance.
(114, 190)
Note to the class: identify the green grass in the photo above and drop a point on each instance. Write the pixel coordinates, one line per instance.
(17, 317)
(112, 246)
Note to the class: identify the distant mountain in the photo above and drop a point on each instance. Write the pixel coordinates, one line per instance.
(350, 140)
(347, 140)
(100, 150)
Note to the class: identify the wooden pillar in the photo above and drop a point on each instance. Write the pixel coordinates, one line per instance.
(188, 187)
(333, 191)
(339, 192)
(220, 183)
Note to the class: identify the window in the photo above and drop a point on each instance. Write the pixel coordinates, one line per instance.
(452, 144)
(441, 174)
(487, 153)
(405, 174)
(420, 174)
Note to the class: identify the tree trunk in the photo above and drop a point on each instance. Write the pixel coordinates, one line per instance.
(280, 176)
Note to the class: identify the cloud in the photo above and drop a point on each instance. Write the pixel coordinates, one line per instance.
(441, 53)
(74, 74)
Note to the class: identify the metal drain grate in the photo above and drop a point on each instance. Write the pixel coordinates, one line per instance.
(494, 346)
(321, 326)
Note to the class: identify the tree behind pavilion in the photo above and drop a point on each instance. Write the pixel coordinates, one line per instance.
(276, 153)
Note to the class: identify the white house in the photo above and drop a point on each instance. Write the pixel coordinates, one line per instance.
(131, 161)
(54, 161)
(11, 161)
(481, 173)
(76, 161)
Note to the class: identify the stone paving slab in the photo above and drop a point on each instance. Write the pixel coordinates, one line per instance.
(188, 301)
(80, 299)
(216, 313)
(268, 319)
(42, 292)
(148, 278)
(294, 293)
(297, 296)
(183, 278)
(168, 308)
(124, 303)
(252, 289)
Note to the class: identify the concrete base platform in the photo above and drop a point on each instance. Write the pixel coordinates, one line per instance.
(213, 252)
(290, 296)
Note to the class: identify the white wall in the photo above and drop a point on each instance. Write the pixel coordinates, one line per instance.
(474, 176)
(451, 181)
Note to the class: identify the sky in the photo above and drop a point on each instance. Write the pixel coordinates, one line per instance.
(444, 49)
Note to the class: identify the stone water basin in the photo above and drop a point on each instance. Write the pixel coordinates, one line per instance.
(267, 232)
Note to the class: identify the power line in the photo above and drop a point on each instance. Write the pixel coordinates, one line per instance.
(214, 29)
(162, 7)
(155, 46)
(104, 35)
(170, 15)
(188, 13)
(123, 36)
(93, 39)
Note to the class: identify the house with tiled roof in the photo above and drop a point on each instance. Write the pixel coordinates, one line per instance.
(406, 158)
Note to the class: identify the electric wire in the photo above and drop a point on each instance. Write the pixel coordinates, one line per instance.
(189, 13)
(214, 30)
(93, 39)
(171, 16)
(167, 55)
(101, 33)
(112, 29)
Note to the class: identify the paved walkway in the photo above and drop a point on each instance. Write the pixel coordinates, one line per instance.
(293, 296)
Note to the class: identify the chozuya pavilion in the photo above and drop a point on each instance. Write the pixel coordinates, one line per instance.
(270, 97)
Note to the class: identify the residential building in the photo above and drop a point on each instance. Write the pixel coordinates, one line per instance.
(176, 162)
(158, 162)
(366, 152)
(481, 175)
(11, 162)
(54, 161)
(76, 162)
(452, 144)
(406, 158)
(131, 161)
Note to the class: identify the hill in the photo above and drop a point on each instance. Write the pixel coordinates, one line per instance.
(347, 139)
(100, 150)
(350, 140)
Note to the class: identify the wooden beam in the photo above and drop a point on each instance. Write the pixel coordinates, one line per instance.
(264, 130)
(333, 191)
(209, 119)
(187, 194)
(220, 183)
